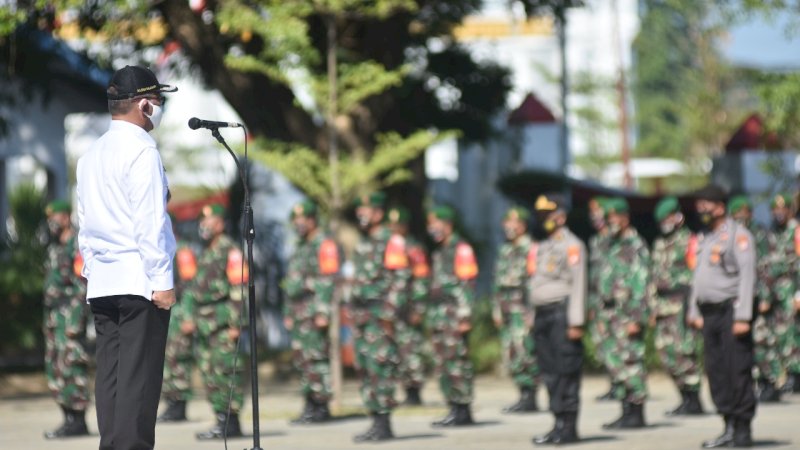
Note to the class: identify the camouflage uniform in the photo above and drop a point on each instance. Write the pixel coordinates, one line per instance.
(179, 355)
(214, 300)
(452, 296)
(622, 290)
(670, 284)
(309, 286)
(774, 330)
(379, 293)
(65, 316)
(410, 336)
(511, 305)
(599, 328)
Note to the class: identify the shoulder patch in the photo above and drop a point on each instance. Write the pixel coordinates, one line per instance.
(742, 242)
(691, 252)
(420, 268)
(797, 241)
(328, 257)
(77, 264)
(187, 263)
(395, 256)
(466, 266)
(237, 270)
(533, 254)
(573, 254)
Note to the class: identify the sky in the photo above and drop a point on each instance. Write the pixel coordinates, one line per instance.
(764, 44)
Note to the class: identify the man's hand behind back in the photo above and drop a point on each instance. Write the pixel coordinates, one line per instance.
(164, 299)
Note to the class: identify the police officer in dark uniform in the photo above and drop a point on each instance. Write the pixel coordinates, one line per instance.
(721, 304)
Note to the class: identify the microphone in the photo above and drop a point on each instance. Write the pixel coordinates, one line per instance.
(195, 123)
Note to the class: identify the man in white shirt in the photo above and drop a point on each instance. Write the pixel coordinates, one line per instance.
(127, 245)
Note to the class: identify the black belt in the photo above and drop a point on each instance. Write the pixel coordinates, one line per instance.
(367, 302)
(550, 307)
(714, 306)
(609, 304)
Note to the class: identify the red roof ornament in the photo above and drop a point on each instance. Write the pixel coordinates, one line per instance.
(752, 135)
(532, 110)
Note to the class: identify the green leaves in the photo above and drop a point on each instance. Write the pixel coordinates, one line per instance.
(780, 95)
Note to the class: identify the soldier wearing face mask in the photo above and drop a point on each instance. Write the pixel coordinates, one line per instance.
(623, 292)
(214, 299)
(512, 313)
(674, 259)
(65, 323)
(721, 304)
(774, 329)
(309, 286)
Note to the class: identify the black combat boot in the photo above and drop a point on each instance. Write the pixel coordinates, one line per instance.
(569, 429)
(175, 412)
(723, 440)
(526, 402)
(617, 424)
(320, 412)
(463, 415)
(412, 397)
(634, 418)
(370, 433)
(550, 436)
(680, 410)
(219, 431)
(383, 428)
(795, 377)
(741, 433)
(693, 405)
(307, 415)
(449, 419)
(768, 392)
(610, 395)
(74, 425)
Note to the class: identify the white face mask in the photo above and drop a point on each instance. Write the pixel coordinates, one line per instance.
(155, 116)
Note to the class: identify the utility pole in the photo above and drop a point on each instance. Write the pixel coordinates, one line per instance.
(622, 102)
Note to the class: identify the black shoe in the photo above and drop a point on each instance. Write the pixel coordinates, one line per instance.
(219, 431)
(74, 425)
(449, 419)
(617, 424)
(693, 405)
(550, 436)
(307, 415)
(742, 434)
(795, 382)
(635, 417)
(723, 440)
(320, 412)
(463, 416)
(526, 402)
(175, 412)
(569, 430)
(383, 428)
(368, 435)
(610, 395)
(681, 409)
(412, 397)
(768, 392)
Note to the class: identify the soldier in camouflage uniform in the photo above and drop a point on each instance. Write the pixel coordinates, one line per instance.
(623, 292)
(410, 335)
(179, 358)
(773, 330)
(65, 323)
(598, 263)
(309, 286)
(674, 259)
(765, 339)
(379, 294)
(214, 300)
(512, 313)
(449, 314)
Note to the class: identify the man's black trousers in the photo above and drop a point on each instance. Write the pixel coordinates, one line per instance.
(131, 338)
(729, 363)
(560, 359)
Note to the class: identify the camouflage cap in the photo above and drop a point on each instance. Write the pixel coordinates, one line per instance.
(665, 207)
(58, 206)
(306, 208)
(739, 202)
(398, 214)
(213, 209)
(444, 213)
(782, 200)
(517, 212)
(617, 205)
(376, 199)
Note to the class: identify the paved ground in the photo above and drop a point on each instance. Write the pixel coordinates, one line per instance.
(23, 419)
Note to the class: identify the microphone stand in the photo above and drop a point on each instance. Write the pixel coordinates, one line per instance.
(250, 235)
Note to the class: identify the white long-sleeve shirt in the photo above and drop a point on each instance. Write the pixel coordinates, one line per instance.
(125, 234)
